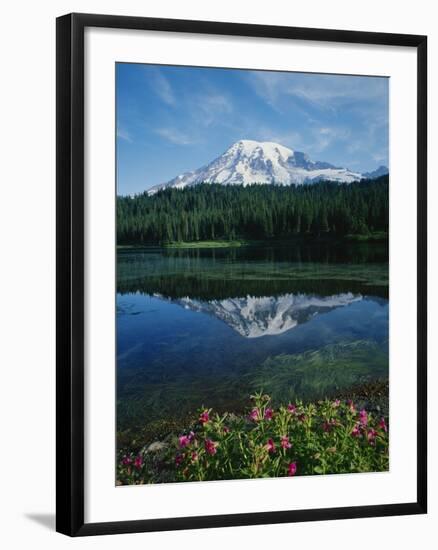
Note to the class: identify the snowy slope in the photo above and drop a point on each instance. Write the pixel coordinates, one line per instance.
(248, 162)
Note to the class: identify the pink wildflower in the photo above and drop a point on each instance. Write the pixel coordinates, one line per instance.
(138, 462)
(269, 413)
(382, 425)
(292, 469)
(126, 460)
(285, 443)
(178, 459)
(194, 456)
(270, 445)
(336, 403)
(210, 446)
(254, 414)
(363, 417)
(291, 408)
(356, 431)
(184, 440)
(371, 436)
(204, 417)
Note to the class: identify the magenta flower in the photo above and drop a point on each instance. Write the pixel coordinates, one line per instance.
(138, 462)
(204, 418)
(336, 403)
(291, 408)
(285, 443)
(126, 460)
(356, 431)
(210, 446)
(270, 445)
(178, 459)
(254, 414)
(363, 417)
(269, 413)
(184, 440)
(292, 469)
(194, 456)
(371, 436)
(382, 425)
(326, 426)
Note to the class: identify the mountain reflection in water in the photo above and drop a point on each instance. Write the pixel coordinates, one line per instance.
(253, 317)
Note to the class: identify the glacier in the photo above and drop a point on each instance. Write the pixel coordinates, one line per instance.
(249, 162)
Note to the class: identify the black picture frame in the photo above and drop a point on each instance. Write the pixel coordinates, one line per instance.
(70, 273)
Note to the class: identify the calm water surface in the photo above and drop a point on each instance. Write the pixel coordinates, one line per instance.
(208, 327)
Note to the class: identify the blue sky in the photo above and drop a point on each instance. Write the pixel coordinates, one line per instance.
(174, 119)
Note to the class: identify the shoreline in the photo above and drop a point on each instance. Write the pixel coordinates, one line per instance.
(377, 238)
(372, 395)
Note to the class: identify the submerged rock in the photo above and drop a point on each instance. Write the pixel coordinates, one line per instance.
(156, 447)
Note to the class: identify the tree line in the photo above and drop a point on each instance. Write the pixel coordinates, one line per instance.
(213, 211)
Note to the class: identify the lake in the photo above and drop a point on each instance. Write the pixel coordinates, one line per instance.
(208, 327)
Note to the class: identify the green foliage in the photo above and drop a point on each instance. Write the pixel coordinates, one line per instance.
(219, 212)
(326, 437)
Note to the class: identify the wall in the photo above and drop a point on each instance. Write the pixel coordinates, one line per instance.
(28, 283)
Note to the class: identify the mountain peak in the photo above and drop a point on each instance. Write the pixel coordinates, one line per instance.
(250, 145)
(249, 161)
(380, 171)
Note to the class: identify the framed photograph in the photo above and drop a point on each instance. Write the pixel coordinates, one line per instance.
(241, 274)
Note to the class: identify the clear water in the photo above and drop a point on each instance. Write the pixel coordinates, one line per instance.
(209, 327)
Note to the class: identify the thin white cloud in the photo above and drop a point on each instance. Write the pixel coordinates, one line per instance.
(211, 108)
(123, 134)
(323, 91)
(325, 137)
(163, 89)
(380, 157)
(217, 102)
(206, 110)
(174, 136)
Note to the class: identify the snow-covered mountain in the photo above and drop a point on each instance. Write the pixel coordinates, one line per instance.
(253, 317)
(380, 171)
(247, 162)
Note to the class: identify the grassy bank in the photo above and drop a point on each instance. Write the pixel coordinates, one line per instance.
(374, 237)
(377, 236)
(207, 244)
